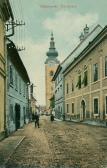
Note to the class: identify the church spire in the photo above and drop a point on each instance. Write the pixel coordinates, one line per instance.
(52, 43)
(52, 51)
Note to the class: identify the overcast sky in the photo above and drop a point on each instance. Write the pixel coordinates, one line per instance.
(66, 18)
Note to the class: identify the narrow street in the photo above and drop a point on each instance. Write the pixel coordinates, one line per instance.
(60, 145)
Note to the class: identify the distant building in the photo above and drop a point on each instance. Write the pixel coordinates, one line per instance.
(85, 82)
(5, 15)
(58, 78)
(51, 65)
(17, 113)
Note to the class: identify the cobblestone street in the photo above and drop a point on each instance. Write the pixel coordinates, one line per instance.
(60, 145)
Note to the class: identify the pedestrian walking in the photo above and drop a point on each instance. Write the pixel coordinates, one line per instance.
(52, 117)
(36, 119)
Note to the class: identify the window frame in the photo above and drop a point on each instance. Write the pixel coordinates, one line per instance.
(67, 108)
(72, 109)
(105, 70)
(16, 81)
(79, 82)
(11, 81)
(106, 105)
(72, 87)
(95, 114)
(67, 88)
(85, 78)
(95, 78)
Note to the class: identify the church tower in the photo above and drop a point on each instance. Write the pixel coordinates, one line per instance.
(51, 65)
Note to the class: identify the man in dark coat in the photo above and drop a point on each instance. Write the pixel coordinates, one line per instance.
(36, 120)
(52, 117)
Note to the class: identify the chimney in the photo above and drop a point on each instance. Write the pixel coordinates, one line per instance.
(81, 37)
(86, 31)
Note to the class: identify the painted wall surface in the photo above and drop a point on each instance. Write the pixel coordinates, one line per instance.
(87, 94)
(50, 86)
(59, 91)
(17, 99)
(59, 96)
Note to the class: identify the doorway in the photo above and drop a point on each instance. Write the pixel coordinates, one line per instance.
(83, 106)
(17, 116)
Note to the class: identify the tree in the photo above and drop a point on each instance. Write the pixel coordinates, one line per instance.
(52, 102)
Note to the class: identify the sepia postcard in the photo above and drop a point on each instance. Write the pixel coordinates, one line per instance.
(53, 84)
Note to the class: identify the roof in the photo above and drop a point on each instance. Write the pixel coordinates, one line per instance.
(87, 49)
(15, 58)
(77, 50)
(32, 98)
(52, 51)
(98, 26)
(57, 72)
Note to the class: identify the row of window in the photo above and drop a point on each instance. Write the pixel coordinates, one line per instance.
(84, 81)
(58, 89)
(95, 106)
(12, 112)
(79, 83)
(58, 79)
(17, 82)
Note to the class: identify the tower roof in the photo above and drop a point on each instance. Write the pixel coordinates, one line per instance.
(52, 51)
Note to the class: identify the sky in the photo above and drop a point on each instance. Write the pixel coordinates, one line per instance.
(66, 18)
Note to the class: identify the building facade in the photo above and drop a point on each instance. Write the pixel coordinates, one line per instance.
(17, 112)
(5, 15)
(58, 78)
(85, 38)
(85, 82)
(51, 65)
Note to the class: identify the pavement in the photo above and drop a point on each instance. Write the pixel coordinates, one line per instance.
(8, 146)
(55, 145)
(96, 123)
(89, 122)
